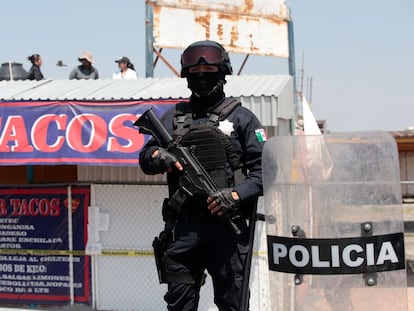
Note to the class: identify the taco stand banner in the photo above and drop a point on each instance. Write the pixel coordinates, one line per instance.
(73, 132)
(40, 263)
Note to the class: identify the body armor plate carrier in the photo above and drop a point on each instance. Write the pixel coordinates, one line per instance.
(210, 145)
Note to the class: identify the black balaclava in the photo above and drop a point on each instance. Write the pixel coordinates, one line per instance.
(207, 90)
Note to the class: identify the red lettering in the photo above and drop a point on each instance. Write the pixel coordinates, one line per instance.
(97, 132)
(44, 207)
(15, 131)
(86, 133)
(15, 203)
(133, 139)
(3, 207)
(40, 132)
(20, 207)
(33, 207)
(55, 207)
(24, 208)
(36, 207)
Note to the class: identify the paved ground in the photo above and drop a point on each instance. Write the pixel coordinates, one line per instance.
(80, 307)
(71, 308)
(411, 298)
(77, 307)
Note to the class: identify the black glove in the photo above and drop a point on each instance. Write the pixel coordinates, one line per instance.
(163, 160)
(229, 206)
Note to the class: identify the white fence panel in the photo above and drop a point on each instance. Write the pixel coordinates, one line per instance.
(127, 280)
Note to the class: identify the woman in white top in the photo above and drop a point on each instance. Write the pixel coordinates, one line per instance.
(127, 70)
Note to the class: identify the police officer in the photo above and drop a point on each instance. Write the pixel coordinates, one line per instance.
(228, 140)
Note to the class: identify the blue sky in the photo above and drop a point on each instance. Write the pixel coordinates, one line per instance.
(359, 54)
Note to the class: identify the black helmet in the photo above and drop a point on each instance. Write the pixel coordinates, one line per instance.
(209, 52)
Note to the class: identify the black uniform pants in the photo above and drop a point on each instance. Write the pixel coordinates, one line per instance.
(211, 246)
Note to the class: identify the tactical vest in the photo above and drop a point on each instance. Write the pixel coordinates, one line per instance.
(209, 144)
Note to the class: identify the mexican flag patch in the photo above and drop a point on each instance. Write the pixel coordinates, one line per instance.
(261, 135)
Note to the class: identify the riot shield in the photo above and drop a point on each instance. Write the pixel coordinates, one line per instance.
(334, 222)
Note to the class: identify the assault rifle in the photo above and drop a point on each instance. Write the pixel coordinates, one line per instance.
(194, 178)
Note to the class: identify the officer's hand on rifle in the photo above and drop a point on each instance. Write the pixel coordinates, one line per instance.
(163, 161)
(224, 202)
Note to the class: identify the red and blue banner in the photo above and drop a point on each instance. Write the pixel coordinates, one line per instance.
(43, 234)
(73, 132)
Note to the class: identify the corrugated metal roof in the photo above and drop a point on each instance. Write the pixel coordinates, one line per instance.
(141, 89)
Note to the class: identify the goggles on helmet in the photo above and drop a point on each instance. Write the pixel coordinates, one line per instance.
(209, 54)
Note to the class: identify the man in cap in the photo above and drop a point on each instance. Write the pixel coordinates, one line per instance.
(227, 139)
(85, 70)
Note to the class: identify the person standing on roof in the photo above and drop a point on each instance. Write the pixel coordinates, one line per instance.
(85, 70)
(227, 139)
(34, 72)
(126, 70)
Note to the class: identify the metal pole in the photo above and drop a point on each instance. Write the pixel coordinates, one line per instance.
(244, 63)
(166, 62)
(149, 42)
(29, 171)
(157, 58)
(70, 242)
(292, 71)
(10, 71)
(245, 294)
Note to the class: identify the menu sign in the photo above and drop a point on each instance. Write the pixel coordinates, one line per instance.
(40, 260)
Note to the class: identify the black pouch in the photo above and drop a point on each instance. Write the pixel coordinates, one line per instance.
(159, 245)
(162, 261)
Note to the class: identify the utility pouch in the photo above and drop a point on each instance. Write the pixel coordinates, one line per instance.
(162, 261)
(159, 254)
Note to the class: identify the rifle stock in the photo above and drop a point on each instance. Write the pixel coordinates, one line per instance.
(194, 179)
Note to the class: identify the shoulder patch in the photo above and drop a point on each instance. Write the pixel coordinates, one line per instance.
(260, 135)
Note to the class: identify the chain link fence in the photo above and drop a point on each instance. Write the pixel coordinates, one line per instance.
(125, 276)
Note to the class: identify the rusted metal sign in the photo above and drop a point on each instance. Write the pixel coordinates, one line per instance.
(242, 26)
